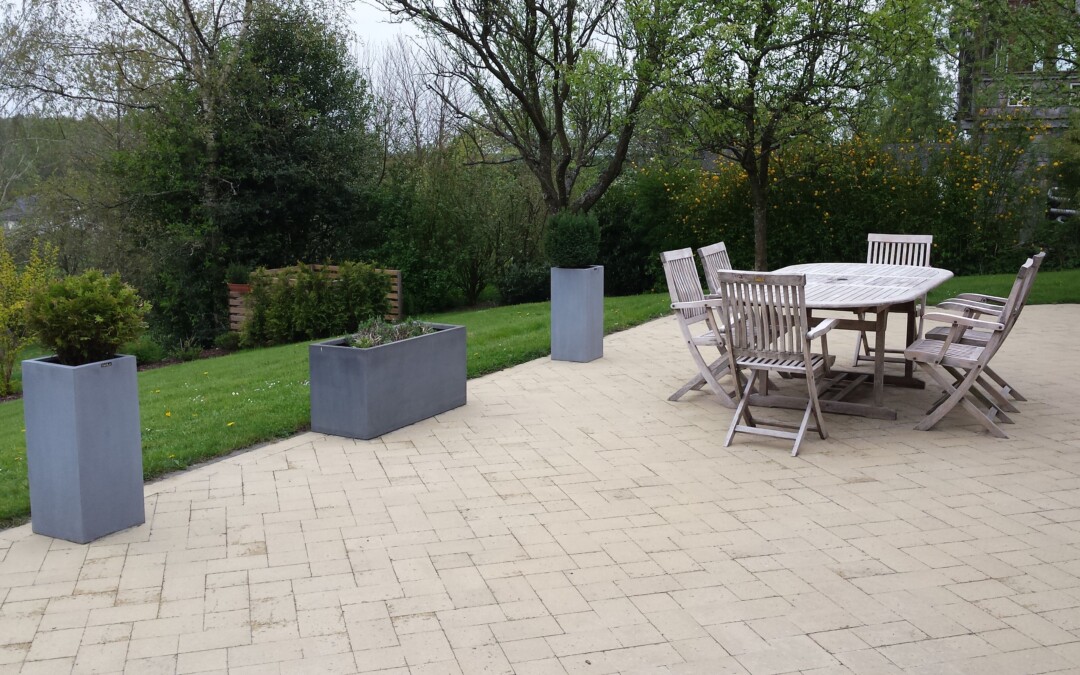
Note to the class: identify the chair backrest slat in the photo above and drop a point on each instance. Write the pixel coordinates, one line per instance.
(899, 249)
(765, 312)
(1013, 305)
(714, 258)
(683, 282)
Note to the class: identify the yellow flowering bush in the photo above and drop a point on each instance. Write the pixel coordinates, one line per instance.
(16, 287)
(980, 197)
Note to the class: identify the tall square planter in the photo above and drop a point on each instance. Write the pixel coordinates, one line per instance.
(577, 313)
(365, 393)
(83, 448)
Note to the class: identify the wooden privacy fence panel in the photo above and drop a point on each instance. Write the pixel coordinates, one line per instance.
(238, 294)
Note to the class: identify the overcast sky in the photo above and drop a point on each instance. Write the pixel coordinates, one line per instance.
(371, 25)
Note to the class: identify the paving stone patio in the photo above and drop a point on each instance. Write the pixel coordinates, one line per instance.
(570, 519)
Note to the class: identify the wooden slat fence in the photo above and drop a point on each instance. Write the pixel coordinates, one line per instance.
(238, 309)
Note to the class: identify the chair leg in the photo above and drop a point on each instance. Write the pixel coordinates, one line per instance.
(1006, 388)
(811, 386)
(707, 374)
(956, 394)
(996, 407)
(742, 409)
(802, 429)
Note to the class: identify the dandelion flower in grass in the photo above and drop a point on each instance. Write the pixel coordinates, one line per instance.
(168, 413)
(230, 424)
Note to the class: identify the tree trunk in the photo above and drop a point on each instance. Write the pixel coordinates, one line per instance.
(759, 196)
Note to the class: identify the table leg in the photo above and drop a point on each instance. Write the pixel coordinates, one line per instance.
(912, 327)
(879, 355)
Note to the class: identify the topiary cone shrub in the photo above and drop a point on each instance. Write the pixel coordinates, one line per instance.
(572, 240)
(85, 318)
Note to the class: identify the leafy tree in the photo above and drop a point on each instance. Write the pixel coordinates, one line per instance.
(765, 72)
(289, 170)
(295, 152)
(16, 288)
(561, 82)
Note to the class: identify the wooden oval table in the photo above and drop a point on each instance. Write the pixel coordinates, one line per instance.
(867, 288)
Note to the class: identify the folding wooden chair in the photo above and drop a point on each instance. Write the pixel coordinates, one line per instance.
(765, 323)
(977, 305)
(966, 363)
(714, 258)
(894, 249)
(693, 312)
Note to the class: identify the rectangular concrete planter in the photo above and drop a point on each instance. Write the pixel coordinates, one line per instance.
(577, 313)
(83, 448)
(365, 393)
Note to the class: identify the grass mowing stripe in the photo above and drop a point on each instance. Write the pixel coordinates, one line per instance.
(194, 411)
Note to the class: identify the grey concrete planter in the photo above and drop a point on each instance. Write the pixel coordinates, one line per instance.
(577, 313)
(365, 393)
(83, 448)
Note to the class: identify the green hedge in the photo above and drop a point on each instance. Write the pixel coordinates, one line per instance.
(982, 200)
(305, 303)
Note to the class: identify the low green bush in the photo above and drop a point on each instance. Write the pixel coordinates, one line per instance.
(228, 341)
(305, 303)
(237, 273)
(186, 350)
(572, 240)
(146, 350)
(524, 282)
(85, 318)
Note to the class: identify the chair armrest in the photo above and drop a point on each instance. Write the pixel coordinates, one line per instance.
(822, 328)
(970, 306)
(980, 297)
(965, 321)
(712, 303)
(959, 326)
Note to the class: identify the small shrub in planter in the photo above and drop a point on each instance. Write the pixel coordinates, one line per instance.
(572, 242)
(86, 318)
(378, 332)
(83, 448)
(397, 374)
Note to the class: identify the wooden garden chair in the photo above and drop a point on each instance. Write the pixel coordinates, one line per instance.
(894, 249)
(694, 313)
(978, 305)
(714, 258)
(966, 363)
(765, 323)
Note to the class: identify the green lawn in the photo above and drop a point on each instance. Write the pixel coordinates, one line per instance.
(203, 409)
(1050, 287)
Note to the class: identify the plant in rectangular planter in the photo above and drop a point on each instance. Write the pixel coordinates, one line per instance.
(367, 390)
(83, 447)
(572, 242)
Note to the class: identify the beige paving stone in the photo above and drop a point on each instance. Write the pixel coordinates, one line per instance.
(572, 519)
(154, 665)
(55, 644)
(102, 658)
(50, 667)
